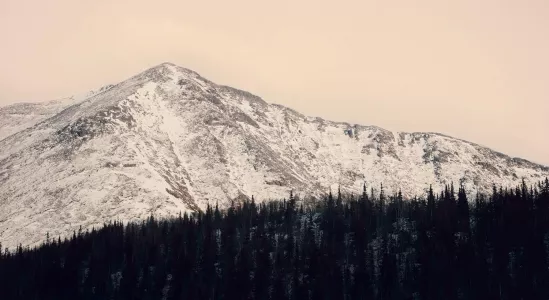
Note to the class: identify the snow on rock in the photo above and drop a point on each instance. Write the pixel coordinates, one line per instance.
(168, 140)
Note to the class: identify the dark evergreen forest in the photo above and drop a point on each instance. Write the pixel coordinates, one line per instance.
(369, 246)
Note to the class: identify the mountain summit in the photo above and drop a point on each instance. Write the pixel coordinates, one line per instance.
(168, 140)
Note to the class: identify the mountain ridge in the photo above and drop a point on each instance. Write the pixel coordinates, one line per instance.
(164, 64)
(168, 140)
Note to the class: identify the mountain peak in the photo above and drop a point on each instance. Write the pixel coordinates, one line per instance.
(166, 72)
(167, 63)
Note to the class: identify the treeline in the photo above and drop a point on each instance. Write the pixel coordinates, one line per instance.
(366, 247)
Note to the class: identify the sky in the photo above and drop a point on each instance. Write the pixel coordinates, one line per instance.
(473, 69)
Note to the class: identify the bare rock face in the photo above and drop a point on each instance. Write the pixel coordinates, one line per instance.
(168, 140)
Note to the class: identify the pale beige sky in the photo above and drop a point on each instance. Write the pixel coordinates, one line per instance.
(473, 69)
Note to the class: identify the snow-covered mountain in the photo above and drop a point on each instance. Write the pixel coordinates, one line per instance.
(168, 140)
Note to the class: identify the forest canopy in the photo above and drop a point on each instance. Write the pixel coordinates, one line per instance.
(369, 246)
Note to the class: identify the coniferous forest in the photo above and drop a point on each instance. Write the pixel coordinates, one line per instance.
(448, 245)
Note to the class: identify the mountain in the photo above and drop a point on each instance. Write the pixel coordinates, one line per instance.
(168, 140)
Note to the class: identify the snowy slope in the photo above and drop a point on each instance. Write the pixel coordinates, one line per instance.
(168, 140)
(17, 117)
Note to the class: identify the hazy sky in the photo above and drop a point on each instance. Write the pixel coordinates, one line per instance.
(473, 69)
